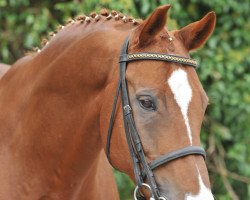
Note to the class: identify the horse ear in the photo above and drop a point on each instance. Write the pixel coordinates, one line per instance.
(147, 31)
(196, 34)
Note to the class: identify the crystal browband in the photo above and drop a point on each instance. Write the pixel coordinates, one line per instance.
(158, 56)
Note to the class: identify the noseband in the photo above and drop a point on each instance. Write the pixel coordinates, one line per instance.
(143, 170)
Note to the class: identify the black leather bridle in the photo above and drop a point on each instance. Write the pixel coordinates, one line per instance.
(143, 170)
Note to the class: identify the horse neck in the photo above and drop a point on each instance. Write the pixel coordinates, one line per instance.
(72, 86)
(53, 126)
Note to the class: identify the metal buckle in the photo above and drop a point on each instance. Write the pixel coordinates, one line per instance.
(127, 109)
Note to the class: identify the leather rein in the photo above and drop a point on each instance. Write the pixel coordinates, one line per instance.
(143, 170)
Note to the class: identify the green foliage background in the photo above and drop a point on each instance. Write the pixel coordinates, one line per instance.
(224, 72)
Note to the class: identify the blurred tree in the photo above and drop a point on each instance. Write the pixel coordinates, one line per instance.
(224, 72)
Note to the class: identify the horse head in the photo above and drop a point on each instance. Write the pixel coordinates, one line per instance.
(168, 104)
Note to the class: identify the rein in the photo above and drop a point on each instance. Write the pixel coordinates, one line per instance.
(143, 170)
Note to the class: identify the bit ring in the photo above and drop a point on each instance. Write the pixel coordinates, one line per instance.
(137, 190)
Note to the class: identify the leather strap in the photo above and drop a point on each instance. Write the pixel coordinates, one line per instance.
(131, 133)
(127, 113)
(111, 121)
(190, 150)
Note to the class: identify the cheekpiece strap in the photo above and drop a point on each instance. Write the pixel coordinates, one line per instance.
(158, 56)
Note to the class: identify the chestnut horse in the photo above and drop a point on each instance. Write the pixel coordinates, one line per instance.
(56, 104)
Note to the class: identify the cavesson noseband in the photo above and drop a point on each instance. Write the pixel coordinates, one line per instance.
(143, 170)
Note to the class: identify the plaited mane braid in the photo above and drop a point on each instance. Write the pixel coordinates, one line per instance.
(104, 14)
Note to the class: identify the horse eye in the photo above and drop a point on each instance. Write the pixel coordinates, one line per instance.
(146, 103)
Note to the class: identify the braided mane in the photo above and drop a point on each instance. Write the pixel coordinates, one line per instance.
(104, 14)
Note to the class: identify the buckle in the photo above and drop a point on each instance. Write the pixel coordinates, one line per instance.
(127, 109)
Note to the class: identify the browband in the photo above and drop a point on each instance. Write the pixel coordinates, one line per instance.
(158, 56)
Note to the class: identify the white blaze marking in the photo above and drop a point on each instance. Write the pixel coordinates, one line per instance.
(203, 194)
(182, 91)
